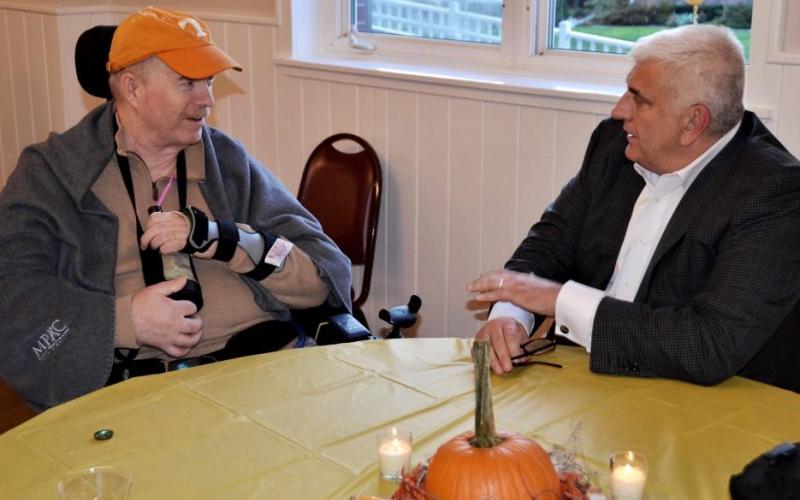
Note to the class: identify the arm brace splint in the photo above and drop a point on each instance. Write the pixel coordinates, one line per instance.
(203, 232)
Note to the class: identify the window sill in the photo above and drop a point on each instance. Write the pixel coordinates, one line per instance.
(525, 83)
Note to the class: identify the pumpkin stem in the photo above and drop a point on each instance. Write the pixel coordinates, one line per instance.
(485, 436)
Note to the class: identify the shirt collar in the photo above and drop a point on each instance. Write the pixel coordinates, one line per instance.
(195, 155)
(689, 173)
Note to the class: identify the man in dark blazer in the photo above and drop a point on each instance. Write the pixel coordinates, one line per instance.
(675, 250)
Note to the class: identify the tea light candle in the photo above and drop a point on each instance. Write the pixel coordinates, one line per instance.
(628, 475)
(394, 452)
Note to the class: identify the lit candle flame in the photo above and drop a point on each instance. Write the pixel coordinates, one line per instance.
(395, 445)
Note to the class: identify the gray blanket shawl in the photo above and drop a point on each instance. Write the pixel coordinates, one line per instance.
(58, 253)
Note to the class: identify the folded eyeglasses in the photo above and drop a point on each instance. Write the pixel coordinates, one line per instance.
(535, 347)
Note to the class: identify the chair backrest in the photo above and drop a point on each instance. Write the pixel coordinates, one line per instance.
(343, 191)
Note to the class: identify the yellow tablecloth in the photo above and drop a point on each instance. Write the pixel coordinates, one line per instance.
(301, 424)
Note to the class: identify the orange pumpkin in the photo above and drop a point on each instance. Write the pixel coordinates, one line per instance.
(486, 463)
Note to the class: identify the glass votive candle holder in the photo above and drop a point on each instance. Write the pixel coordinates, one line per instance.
(95, 483)
(394, 452)
(628, 475)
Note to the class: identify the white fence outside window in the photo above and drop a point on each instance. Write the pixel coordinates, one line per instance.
(445, 19)
(565, 38)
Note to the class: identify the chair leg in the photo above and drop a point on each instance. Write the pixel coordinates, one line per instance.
(359, 315)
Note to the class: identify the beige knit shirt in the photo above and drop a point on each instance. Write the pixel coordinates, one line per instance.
(229, 306)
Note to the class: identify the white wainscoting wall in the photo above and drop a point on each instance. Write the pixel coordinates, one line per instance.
(466, 171)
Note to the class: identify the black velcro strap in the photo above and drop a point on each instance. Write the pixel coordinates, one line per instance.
(228, 239)
(197, 240)
(262, 269)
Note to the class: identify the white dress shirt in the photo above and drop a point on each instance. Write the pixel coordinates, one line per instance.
(577, 304)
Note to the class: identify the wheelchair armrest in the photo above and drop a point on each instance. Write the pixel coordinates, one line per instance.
(329, 325)
(342, 327)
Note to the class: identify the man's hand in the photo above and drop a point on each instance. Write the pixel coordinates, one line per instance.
(166, 232)
(527, 291)
(505, 336)
(170, 325)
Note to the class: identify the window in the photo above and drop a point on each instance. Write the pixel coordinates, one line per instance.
(479, 21)
(609, 26)
(613, 25)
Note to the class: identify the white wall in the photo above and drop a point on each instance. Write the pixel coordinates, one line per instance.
(465, 170)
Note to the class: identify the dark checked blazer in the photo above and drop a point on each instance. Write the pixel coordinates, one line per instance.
(723, 278)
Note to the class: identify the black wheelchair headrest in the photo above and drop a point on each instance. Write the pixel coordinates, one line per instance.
(91, 55)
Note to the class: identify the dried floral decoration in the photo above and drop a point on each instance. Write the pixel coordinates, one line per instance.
(575, 481)
(412, 485)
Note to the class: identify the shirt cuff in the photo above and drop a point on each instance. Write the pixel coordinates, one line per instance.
(504, 309)
(576, 306)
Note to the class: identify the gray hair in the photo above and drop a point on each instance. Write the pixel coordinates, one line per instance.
(705, 64)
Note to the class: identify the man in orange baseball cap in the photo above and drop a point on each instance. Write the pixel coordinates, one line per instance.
(106, 290)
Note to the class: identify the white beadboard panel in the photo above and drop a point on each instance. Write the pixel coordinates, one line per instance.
(224, 84)
(536, 163)
(316, 114)
(789, 124)
(55, 90)
(290, 131)
(20, 77)
(263, 91)
(572, 135)
(240, 97)
(500, 170)
(400, 191)
(35, 50)
(344, 108)
(373, 127)
(763, 78)
(578, 103)
(106, 18)
(372, 118)
(464, 231)
(433, 183)
(9, 145)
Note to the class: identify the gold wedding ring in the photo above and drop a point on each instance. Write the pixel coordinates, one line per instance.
(500, 285)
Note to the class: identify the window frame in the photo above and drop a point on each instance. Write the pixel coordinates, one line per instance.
(425, 50)
(524, 46)
(319, 38)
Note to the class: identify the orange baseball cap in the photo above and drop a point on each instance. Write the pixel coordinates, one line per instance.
(180, 40)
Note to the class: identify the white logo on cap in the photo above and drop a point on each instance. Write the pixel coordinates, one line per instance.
(194, 24)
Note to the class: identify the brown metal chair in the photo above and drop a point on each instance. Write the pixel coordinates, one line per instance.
(343, 191)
